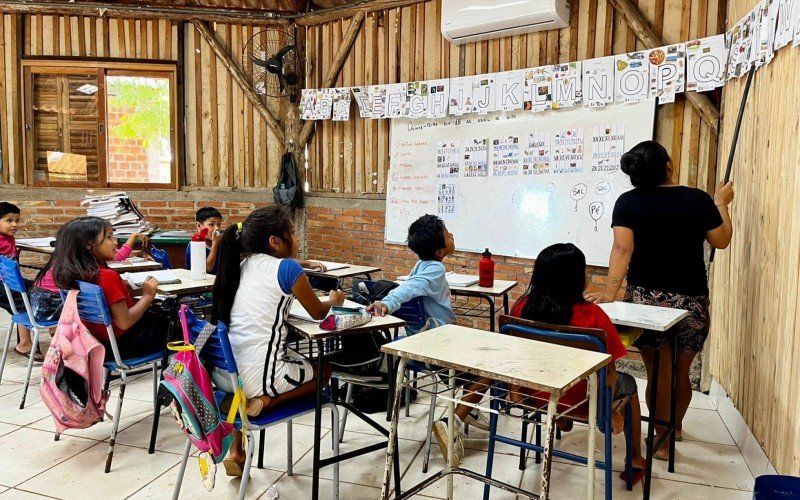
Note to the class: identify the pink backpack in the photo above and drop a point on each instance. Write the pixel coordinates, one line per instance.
(194, 406)
(72, 374)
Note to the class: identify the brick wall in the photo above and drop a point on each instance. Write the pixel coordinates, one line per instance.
(357, 236)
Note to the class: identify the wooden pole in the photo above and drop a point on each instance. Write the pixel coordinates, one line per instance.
(237, 74)
(363, 6)
(96, 9)
(639, 25)
(333, 71)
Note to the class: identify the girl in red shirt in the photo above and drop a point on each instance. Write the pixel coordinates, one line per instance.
(84, 247)
(555, 296)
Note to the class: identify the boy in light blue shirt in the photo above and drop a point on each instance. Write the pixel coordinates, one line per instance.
(432, 242)
(429, 238)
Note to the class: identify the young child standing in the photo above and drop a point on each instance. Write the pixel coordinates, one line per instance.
(211, 219)
(429, 238)
(555, 296)
(257, 281)
(9, 223)
(84, 246)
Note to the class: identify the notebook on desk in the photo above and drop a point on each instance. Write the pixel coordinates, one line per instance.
(164, 277)
(37, 242)
(330, 266)
(299, 312)
(453, 279)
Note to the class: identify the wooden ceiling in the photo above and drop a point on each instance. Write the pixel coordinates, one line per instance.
(284, 7)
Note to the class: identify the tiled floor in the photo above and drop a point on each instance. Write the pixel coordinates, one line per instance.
(33, 465)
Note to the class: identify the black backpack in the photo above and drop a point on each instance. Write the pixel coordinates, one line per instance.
(287, 192)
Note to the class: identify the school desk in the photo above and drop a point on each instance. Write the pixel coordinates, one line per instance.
(654, 321)
(526, 363)
(36, 245)
(345, 272)
(489, 294)
(311, 331)
(126, 266)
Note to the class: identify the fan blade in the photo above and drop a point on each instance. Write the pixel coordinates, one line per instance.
(257, 61)
(285, 50)
(281, 82)
(290, 78)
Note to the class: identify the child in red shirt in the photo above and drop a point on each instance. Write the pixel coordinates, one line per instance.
(555, 296)
(85, 245)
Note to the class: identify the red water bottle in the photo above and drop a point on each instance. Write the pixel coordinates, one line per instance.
(486, 270)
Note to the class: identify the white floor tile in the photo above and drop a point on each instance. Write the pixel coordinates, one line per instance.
(707, 464)
(21, 495)
(298, 487)
(704, 426)
(8, 387)
(754, 456)
(192, 487)
(6, 428)
(170, 437)
(34, 452)
(131, 468)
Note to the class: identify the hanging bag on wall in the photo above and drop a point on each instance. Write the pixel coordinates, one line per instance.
(287, 192)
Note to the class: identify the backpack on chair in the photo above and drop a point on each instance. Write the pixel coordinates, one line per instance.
(193, 404)
(72, 373)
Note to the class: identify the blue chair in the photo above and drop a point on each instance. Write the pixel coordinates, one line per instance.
(160, 256)
(581, 338)
(92, 308)
(13, 282)
(217, 353)
(776, 487)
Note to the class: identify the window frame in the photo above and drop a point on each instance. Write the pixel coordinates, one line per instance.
(103, 68)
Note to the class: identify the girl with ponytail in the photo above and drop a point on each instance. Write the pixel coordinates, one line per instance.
(257, 281)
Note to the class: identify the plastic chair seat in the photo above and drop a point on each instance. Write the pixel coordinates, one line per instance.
(22, 319)
(133, 362)
(286, 411)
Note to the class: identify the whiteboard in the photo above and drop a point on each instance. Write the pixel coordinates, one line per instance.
(512, 213)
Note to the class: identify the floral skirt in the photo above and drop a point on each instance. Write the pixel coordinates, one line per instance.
(690, 332)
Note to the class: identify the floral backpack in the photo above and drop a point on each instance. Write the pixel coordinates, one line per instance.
(193, 404)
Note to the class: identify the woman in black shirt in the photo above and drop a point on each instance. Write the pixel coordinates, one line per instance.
(659, 232)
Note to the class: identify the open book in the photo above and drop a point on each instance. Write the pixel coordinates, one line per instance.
(330, 266)
(299, 312)
(164, 277)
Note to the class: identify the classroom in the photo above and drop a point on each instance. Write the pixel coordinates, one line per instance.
(389, 249)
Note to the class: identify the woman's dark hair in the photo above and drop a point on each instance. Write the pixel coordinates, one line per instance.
(557, 284)
(257, 228)
(72, 259)
(646, 164)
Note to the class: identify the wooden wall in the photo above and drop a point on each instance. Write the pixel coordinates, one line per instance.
(404, 44)
(227, 143)
(755, 325)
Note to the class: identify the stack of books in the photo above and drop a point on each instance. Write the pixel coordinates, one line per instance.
(119, 211)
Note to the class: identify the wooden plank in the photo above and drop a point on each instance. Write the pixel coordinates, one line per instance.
(200, 106)
(4, 97)
(325, 15)
(81, 25)
(251, 166)
(16, 145)
(227, 61)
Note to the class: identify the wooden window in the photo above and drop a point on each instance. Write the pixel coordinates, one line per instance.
(100, 124)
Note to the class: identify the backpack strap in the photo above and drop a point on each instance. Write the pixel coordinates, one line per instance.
(205, 334)
(239, 405)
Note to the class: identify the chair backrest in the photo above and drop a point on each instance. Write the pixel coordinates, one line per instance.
(589, 339)
(11, 275)
(412, 312)
(160, 256)
(217, 350)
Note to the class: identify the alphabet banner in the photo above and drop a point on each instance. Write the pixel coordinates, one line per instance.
(667, 72)
(538, 88)
(567, 90)
(632, 77)
(598, 81)
(705, 63)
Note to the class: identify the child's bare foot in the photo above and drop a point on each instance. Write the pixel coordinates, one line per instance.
(258, 404)
(617, 422)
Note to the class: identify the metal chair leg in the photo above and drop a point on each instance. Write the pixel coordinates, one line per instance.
(262, 437)
(34, 346)
(156, 410)
(524, 439)
(335, 437)
(538, 434)
(349, 399)
(431, 415)
(176, 491)
(247, 464)
(115, 425)
(289, 449)
(6, 346)
(629, 447)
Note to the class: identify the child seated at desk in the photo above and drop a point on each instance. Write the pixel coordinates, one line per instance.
(253, 292)
(211, 219)
(555, 296)
(429, 238)
(9, 222)
(84, 246)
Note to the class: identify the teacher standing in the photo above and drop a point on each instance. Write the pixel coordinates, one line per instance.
(659, 232)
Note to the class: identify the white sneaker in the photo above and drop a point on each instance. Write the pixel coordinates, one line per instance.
(477, 418)
(440, 432)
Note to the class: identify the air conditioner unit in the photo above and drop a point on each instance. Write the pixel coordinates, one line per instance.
(472, 20)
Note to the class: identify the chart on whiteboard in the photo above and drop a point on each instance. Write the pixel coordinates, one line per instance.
(515, 182)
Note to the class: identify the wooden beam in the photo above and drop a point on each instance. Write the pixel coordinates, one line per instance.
(95, 9)
(644, 32)
(364, 6)
(237, 74)
(335, 67)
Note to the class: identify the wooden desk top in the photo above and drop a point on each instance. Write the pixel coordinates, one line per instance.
(312, 331)
(500, 288)
(643, 316)
(32, 248)
(524, 362)
(187, 286)
(345, 272)
(134, 267)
